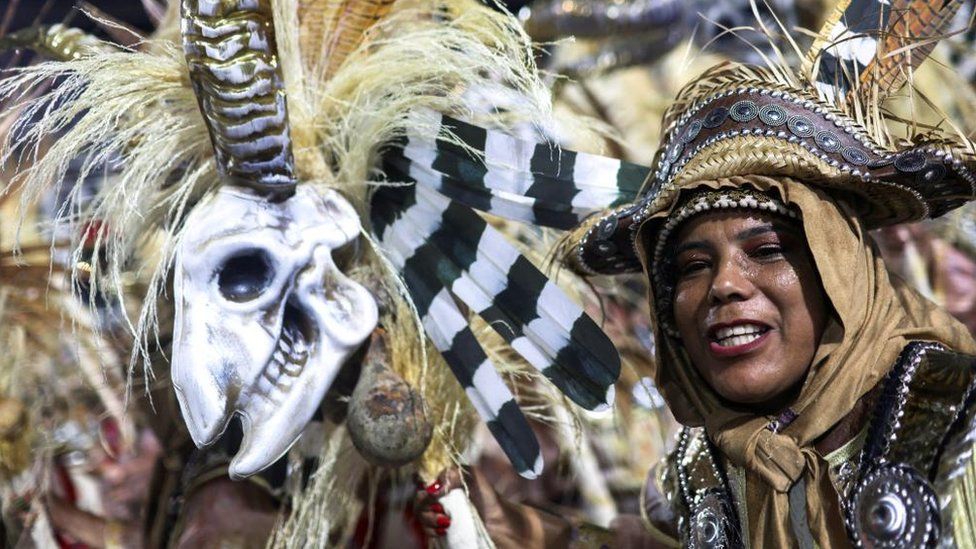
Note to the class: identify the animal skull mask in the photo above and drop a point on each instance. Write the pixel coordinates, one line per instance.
(264, 317)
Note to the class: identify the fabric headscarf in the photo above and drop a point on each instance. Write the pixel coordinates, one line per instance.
(874, 318)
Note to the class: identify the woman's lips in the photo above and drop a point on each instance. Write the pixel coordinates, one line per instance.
(737, 350)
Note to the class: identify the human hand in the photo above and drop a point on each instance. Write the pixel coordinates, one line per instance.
(434, 519)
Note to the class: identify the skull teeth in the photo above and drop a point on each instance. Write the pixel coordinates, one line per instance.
(288, 360)
(292, 345)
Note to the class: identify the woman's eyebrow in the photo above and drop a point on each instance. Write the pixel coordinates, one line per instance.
(693, 245)
(767, 228)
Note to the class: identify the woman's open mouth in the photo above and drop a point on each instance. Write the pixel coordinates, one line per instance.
(736, 339)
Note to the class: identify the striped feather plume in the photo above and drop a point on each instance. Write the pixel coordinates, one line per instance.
(447, 252)
(873, 46)
(488, 170)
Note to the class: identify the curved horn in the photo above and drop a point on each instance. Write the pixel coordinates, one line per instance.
(232, 57)
(625, 51)
(551, 19)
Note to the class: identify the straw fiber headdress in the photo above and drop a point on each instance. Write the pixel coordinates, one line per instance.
(274, 177)
(821, 128)
(818, 127)
(821, 125)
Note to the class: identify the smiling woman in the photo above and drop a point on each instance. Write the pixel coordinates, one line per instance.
(823, 402)
(777, 326)
(748, 305)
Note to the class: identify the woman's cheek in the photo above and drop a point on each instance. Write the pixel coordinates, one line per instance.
(687, 297)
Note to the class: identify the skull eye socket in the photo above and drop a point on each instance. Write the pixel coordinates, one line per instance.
(245, 275)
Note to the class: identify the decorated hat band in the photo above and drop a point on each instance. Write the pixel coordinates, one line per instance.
(812, 141)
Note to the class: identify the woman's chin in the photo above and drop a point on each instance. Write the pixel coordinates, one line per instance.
(762, 398)
(747, 397)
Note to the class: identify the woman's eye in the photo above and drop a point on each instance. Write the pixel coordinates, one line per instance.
(691, 267)
(767, 251)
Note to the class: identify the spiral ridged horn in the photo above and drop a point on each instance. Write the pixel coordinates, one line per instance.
(232, 57)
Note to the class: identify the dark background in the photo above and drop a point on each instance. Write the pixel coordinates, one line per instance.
(23, 13)
(28, 12)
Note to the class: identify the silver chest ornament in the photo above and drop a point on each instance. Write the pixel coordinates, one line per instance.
(713, 522)
(892, 504)
(893, 507)
(264, 317)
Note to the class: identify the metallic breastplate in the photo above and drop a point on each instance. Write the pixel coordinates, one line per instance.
(710, 518)
(927, 402)
(894, 502)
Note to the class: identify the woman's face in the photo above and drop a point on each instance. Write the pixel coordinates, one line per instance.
(748, 305)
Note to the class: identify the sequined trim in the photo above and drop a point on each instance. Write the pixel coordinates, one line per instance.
(843, 463)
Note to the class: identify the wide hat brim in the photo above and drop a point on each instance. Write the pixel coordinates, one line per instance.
(770, 130)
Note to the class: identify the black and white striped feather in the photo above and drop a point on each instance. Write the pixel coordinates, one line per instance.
(446, 251)
(875, 45)
(537, 183)
(450, 333)
(456, 247)
(849, 44)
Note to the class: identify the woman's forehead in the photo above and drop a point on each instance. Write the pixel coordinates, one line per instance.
(738, 224)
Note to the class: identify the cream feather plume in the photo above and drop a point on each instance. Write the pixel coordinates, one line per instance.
(137, 110)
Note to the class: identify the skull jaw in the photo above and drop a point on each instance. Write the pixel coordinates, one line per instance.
(273, 417)
(275, 408)
(263, 363)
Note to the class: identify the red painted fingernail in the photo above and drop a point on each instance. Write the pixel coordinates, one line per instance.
(434, 488)
(441, 532)
(443, 521)
(437, 508)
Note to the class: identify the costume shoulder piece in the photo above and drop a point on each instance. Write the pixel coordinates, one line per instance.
(701, 497)
(918, 455)
(914, 476)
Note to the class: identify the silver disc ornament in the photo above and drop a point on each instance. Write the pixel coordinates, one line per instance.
(893, 506)
(714, 523)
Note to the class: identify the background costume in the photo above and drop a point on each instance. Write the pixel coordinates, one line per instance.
(256, 254)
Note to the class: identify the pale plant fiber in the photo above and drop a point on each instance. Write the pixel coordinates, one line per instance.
(137, 109)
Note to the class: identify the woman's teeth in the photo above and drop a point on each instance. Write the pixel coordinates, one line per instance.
(742, 334)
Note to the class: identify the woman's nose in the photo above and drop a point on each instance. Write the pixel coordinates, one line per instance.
(731, 283)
